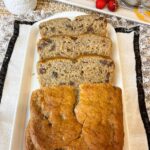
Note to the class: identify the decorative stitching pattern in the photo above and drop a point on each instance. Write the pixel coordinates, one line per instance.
(8, 54)
(139, 79)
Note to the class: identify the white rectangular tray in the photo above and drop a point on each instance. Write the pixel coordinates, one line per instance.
(30, 82)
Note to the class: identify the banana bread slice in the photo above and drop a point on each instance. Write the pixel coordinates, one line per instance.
(63, 71)
(66, 46)
(81, 25)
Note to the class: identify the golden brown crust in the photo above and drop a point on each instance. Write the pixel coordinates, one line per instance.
(100, 112)
(53, 123)
(96, 123)
(74, 59)
(49, 21)
(28, 142)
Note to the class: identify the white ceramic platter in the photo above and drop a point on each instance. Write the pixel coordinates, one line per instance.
(30, 82)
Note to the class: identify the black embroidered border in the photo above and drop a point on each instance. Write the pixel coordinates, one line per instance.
(139, 79)
(9, 52)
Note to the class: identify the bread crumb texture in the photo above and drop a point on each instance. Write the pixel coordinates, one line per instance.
(92, 24)
(85, 69)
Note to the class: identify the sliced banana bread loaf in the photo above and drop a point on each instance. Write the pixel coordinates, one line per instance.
(59, 71)
(81, 25)
(66, 46)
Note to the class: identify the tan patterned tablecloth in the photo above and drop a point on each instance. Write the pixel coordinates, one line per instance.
(46, 8)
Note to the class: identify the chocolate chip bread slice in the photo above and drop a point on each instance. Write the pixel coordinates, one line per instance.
(81, 25)
(63, 71)
(66, 46)
(53, 124)
(99, 111)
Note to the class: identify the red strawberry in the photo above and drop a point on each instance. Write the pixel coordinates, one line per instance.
(107, 1)
(100, 4)
(112, 5)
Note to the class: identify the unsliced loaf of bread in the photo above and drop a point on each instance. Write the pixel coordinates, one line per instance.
(62, 71)
(66, 118)
(80, 25)
(66, 46)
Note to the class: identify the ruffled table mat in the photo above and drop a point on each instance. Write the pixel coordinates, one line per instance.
(47, 8)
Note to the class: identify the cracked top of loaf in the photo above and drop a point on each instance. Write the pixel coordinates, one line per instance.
(65, 118)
